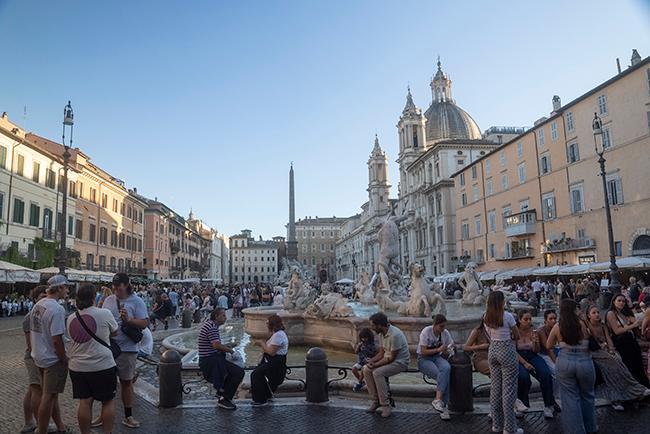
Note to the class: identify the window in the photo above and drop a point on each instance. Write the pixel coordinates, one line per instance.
(475, 193)
(545, 164)
(19, 211)
(492, 250)
(505, 212)
(615, 191)
(492, 220)
(648, 114)
(464, 231)
(548, 206)
(607, 138)
(541, 139)
(573, 153)
(114, 205)
(487, 162)
(2, 205)
(618, 247)
(520, 149)
(477, 225)
(504, 181)
(523, 205)
(489, 188)
(72, 189)
(36, 172)
(79, 229)
(93, 195)
(104, 200)
(602, 104)
(92, 232)
(462, 179)
(81, 189)
(473, 172)
(461, 162)
(502, 158)
(577, 204)
(70, 225)
(103, 236)
(647, 71)
(50, 178)
(521, 170)
(34, 215)
(3, 157)
(569, 121)
(463, 199)
(554, 131)
(20, 165)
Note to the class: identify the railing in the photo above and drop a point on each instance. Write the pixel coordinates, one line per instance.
(522, 223)
(568, 244)
(518, 254)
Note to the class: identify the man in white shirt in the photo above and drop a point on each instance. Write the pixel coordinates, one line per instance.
(47, 326)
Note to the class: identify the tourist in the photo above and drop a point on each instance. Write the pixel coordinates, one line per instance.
(619, 384)
(634, 291)
(162, 311)
(46, 330)
(391, 359)
(206, 306)
(238, 304)
(433, 348)
(580, 291)
(478, 343)
(365, 350)
(224, 375)
(222, 301)
(574, 371)
(92, 367)
(278, 299)
(32, 397)
(622, 323)
(502, 356)
(102, 296)
(130, 313)
(269, 374)
(174, 298)
(550, 319)
(530, 363)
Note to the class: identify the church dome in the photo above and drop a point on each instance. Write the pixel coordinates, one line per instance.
(445, 120)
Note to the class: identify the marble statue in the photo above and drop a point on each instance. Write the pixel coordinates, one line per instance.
(472, 289)
(299, 294)
(510, 296)
(329, 305)
(365, 293)
(422, 302)
(387, 280)
(286, 270)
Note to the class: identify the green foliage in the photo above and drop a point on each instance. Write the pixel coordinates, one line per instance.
(45, 252)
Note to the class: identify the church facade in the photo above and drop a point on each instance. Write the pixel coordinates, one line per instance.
(432, 146)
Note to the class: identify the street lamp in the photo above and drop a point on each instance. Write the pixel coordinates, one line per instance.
(614, 284)
(68, 120)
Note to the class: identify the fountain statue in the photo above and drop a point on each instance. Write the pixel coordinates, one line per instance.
(299, 294)
(364, 291)
(510, 296)
(387, 280)
(472, 289)
(286, 271)
(329, 305)
(422, 302)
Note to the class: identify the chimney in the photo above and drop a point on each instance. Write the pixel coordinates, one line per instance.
(636, 58)
(618, 65)
(557, 103)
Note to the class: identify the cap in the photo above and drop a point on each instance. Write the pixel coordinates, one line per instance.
(57, 280)
(120, 278)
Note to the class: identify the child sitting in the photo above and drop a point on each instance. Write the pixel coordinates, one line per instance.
(366, 350)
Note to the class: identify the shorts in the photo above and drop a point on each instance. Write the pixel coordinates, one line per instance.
(53, 378)
(126, 366)
(33, 373)
(358, 366)
(100, 385)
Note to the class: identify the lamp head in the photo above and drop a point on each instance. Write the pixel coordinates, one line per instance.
(597, 125)
(68, 115)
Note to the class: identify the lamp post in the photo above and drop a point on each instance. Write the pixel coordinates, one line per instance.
(68, 120)
(614, 284)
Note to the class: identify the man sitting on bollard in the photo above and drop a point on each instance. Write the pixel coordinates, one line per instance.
(392, 358)
(224, 375)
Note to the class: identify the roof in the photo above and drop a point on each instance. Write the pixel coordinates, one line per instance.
(445, 120)
(320, 220)
(450, 143)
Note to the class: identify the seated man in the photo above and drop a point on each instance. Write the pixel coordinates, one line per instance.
(224, 375)
(392, 358)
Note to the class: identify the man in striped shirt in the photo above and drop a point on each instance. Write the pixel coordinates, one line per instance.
(224, 375)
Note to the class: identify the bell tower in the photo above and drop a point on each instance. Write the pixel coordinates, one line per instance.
(412, 139)
(378, 186)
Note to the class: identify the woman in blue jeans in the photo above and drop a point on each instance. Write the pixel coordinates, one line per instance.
(574, 371)
(432, 350)
(531, 363)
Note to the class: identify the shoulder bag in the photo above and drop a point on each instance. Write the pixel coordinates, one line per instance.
(114, 347)
(132, 332)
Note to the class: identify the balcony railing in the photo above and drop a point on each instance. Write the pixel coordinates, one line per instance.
(568, 244)
(518, 254)
(48, 234)
(523, 223)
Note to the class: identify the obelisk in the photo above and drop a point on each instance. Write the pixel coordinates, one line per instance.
(292, 244)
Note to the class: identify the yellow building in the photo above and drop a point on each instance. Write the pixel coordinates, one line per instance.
(538, 199)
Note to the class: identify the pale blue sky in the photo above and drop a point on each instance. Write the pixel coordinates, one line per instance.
(204, 103)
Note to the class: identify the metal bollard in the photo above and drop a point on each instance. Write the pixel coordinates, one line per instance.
(169, 379)
(460, 384)
(187, 318)
(316, 376)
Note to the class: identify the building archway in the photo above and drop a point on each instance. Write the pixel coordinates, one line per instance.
(641, 246)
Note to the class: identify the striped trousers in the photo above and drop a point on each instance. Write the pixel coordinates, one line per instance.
(502, 357)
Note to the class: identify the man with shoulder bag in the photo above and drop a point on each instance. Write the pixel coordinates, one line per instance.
(130, 313)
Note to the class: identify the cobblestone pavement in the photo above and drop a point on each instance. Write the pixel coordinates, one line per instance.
(284, 417)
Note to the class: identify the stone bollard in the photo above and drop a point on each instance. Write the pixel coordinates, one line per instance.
(461, 399)
(197, 316)
(187, 318)
(169, 379)
(316, 376)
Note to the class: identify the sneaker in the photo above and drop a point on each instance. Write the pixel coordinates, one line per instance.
(226, 404)
(28, 428)
(385, 411)
(438, 405)
(259, 404)
(617, 406)
(548, 412)
(520, 406)
(130, 422)
(51, 427)
(445, 415)
(358, 387)
(646, 393)
(97, 422)
(373, 407)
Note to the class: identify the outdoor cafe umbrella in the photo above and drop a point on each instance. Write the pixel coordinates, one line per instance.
(12, 273)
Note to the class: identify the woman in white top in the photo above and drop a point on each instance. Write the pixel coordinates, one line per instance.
(502, 357)
(91, 364)
(270, 373)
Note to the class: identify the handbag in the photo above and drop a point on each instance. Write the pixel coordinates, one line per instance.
(114, 347)
(132, 332)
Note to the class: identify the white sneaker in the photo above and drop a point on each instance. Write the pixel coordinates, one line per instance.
(438, 405)
(520, 407)
(548, 412)
(444, 415)
(617, 406)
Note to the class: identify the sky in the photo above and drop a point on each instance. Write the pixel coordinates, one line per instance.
(204, 104)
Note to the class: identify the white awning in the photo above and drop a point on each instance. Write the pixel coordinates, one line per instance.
(546, 271)
(629, 262)
(523, 272)
(573, 269)
(488, 275)
(11, 273)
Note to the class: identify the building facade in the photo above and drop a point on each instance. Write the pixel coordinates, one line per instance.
(316, 245)
(252, 261)
(538, 200)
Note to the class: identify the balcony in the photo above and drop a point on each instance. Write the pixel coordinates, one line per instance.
(521, 253)
(568, 244)
(523, 223)
(48, 234)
